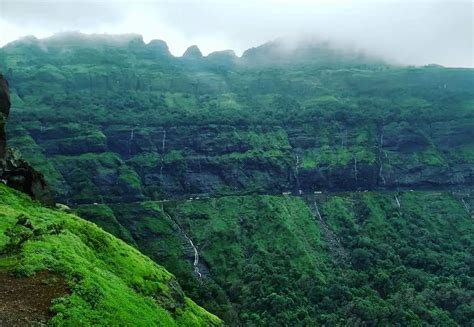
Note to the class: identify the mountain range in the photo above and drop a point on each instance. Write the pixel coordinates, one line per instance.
(301, 184)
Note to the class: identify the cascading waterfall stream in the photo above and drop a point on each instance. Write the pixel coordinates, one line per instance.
(297, 174)
(317, 211)
(397, 200)
(190, 241)
(460, 196)
(132, 135)
(355, 168)
(382, 178)
(163, 143)
(196, 256)
(466, 206)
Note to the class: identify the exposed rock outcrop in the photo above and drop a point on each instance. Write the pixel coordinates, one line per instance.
(4, 112)
(14, 171)
(192, 52)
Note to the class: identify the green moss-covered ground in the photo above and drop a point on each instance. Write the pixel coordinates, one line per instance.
(110, 282)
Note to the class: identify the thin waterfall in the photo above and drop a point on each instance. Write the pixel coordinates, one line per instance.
(466, 206)
(382, 178)
(398, 201)
(163, 143)
(196, 256)
(297, 174)
(190, 241)
(355, 168)
(130, 139)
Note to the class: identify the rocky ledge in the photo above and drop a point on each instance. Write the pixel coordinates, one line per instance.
(14, 171)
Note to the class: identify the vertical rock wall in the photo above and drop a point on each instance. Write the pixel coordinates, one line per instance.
(14, 171)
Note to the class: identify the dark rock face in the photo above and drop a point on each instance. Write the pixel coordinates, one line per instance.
(127, 163)
(217, 159)
(4, 111)
(14, 171)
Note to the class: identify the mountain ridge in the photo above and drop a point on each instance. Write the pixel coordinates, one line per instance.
(278, 48)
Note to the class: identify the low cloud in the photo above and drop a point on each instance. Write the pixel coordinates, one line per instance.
(402, 31)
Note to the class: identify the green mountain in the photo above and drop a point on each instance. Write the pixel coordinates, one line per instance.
(295, 185)
(123, 121)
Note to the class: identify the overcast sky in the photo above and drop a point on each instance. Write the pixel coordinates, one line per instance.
(410, 32)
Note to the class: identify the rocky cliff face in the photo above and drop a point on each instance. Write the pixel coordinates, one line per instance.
(126, 163)
(14, 171)
(4, 111)
(138, 124)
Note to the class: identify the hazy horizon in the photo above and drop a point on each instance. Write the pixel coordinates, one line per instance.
(402, 32)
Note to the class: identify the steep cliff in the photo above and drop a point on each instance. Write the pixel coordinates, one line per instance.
(4, 112)
(14, 171)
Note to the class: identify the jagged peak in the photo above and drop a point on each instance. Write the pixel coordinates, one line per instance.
(278, 51)
(159, 46)
(192, 52)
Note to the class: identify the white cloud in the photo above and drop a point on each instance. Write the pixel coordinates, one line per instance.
(417, 32)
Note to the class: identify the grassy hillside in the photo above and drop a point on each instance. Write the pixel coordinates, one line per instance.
(187, 158)
(105, 282)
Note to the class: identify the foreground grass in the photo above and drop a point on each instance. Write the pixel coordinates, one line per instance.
(110, 282)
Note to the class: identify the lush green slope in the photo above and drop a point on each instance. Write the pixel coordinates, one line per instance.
(109, 282)
(276, 261)
(116, 124)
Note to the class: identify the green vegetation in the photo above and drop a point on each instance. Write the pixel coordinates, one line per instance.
(127, 134)
(109, 281)
(173, 127)
(263, 276)
(407, 256)
(268, 260)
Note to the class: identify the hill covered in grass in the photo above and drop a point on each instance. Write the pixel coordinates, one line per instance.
(91, 277)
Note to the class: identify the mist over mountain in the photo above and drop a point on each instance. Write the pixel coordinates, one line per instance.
(401, 31)
(278, 52)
